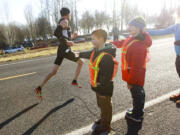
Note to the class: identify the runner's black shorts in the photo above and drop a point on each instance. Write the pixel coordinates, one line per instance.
(61, 54)
(178, 64)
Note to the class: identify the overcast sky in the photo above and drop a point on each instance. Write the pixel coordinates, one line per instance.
(16, 7)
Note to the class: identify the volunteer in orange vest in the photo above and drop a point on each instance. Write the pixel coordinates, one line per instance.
(102, 68)
(134, 58)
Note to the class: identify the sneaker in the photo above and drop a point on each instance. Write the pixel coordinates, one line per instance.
(129, 115)
(96, 123)
(38, 92)
(101, 130)
(75, 83)
(129, 110)
(175, 97)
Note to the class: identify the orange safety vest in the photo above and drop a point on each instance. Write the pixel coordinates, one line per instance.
(124, 65)
(94, 67)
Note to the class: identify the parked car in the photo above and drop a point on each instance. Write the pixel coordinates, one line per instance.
(13, 49)
(79, 40)
(39, 44)
(27, 44)
(54, 42)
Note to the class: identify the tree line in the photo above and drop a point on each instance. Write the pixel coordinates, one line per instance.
(42, 27)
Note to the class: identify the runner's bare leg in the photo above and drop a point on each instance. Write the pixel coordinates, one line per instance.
(78, 69)
(50, 75)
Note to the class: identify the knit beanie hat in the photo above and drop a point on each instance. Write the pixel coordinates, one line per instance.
(138, 22)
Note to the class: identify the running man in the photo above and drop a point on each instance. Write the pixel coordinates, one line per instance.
(64, 50)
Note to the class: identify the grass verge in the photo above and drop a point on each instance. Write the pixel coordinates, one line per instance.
(27, 54)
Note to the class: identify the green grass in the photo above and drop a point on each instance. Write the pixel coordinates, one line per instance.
(27, 54)
(53, 50)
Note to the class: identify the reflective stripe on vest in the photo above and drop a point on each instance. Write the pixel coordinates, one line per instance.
(124, 52)
(94, 67)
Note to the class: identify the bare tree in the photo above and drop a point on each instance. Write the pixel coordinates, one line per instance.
(108, 22)
(130, 12)
(30, 21)
(165, 18)
(76, 14)
(75, 3)
(87, 22)
(16, 33)
(56, 7)
(114, 12)
(3, 40)
(43, 27)
(7, 16)
(101, 19)
(123, 6)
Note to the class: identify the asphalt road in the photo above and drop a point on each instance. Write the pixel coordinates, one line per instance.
(62, 109)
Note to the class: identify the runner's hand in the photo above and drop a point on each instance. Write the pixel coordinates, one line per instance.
(75, 35)
(76, 54)
(64, 24)
(70, 43)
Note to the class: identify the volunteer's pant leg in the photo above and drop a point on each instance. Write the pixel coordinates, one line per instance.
(98, 102)
(106, 111)
(138, 95)
(178, 64)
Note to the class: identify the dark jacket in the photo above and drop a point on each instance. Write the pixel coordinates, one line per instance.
(63, 34)
(105, 84)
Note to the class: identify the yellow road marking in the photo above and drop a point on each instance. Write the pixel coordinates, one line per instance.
(17, 76)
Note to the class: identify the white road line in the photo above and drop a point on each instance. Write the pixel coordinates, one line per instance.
(26, 61)
(118, 116)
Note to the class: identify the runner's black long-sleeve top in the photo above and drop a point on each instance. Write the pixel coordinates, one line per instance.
(63, 34)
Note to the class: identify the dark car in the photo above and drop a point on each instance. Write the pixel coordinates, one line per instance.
(39, 44)
(27, 44)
